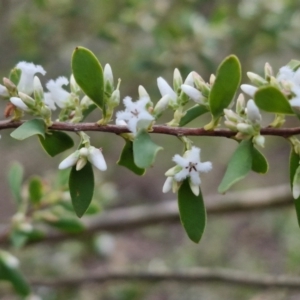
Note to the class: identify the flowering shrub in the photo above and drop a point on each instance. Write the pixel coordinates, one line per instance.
(91, 87)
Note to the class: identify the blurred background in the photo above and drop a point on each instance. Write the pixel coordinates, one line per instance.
(143, 40)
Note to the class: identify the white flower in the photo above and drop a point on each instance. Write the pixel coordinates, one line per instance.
(190, 79)
(253, 112)
(57, 94)
(249, 89)
(81, 156)
(135, 114)
(165, 89)
(193, 93)
(25, 84)
(188, 165)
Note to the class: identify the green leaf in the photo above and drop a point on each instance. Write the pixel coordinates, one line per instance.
(55, 142)
(227, 82)
(87, 111)
(67, 224)
(193, 113)
(270, 99)
(239, 165)
(15, 75)
(144, 150)
(28, 129)
(13, 275)
(294, 164)
(15, 178)
(192, 211)
(81, 185)
(259, 162)
(35, 189)
(294, 64)
(88, 74)
(126, 159)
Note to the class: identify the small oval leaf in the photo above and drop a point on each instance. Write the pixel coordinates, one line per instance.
(144, 150)
(88, 74)
(55, 142)
(239, 165)
(193, 113)
(81, 185)
(259, 162)
(15, 178)
(126, 159)
(270, 99)
(294, 164)
(227, 82)
(13, 275)
(28, 129)
(35, 189)
(192, 211)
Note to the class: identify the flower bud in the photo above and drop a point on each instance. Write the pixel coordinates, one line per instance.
(268, 71)
(193, 93)
(27, 100)
(212, 79)
(245, 128)
(253, 112)
(38, 90)
(259, 140)
(230, 125)
(249, 89)
(161, 105)
(108, 79)
(190, 79)
(114, 99)
(8, 260)
(240, 104)
(11, 87)
(231, 116)
(74, 87)
(3, 91)
(201, 85)
(177, 80)
(256, 79)
(81, 162)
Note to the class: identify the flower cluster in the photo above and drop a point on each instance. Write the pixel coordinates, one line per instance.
(246, 120)
(188, 166)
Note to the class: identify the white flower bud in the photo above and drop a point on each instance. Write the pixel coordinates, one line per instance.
(256, 79)
(240, 104)
(142, 92)
(177, 79)
(95, 156)
(161, 105)
(69, 161)
(253, 112)
(193, 93)
(268, 70)
(259, 140)
(230, 115)
(81, 162)
(165, 89)
(18, 103)
(3, 91)
(249, 89)
(75, 88)
(108, 75)
(190, 79)
(8, 260)
(167, 185)
(38, 90)
(212, 79)
(245, 128)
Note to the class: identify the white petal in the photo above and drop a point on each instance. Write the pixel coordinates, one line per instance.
(128, 102)
(180, 176)
(193, 155)
(49, 101)
(195, 188)
(18, 103)
(167, 185)
(69, 161)
(195, 178)
(58, 94)
(193, 93)
(204, 167)
(97, 159)
(253, 112)
(121, 122)
(181, 161)
(165, 89)
(132, 125)
(249, 89)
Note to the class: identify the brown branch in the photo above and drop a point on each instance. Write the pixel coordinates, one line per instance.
(139, 216)
(161, 129)
(198, 275)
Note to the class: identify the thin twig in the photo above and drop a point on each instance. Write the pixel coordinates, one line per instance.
(199, 275)
(123, 219)
(161, 129)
